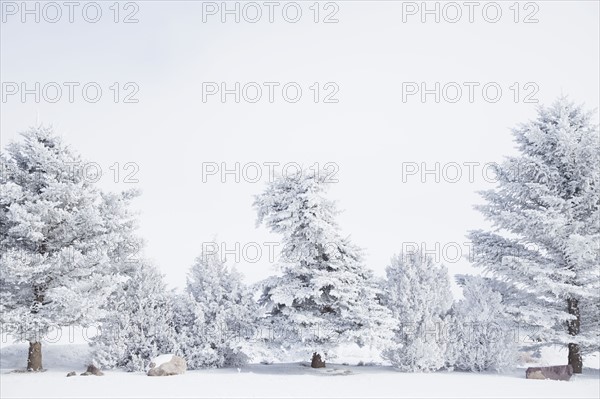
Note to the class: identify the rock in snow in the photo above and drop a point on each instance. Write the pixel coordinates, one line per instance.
(562, 373)
(165, 365)
(93, 370)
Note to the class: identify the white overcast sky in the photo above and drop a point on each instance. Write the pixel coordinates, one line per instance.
(369, 133)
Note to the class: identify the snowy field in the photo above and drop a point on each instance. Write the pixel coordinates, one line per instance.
(278, 380)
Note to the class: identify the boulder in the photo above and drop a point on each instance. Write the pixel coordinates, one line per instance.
(93, 370)
(561, 373)
(162, 367)
(71, 374)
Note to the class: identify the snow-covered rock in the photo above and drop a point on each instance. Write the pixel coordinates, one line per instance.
(164, 365)
(160, 360)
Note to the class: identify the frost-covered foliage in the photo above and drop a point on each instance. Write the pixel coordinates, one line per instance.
(215, 317)
(138, 326)
(189, 333)
(63, 242)
(481, 337)
(418, 294)
(324, 294)
(544, 251)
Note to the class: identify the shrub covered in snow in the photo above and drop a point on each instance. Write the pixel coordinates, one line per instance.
(215, 315)
(418, 295)
(138, 327)
(481, 337)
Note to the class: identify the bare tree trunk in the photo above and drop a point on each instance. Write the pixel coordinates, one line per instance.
(574, 357)
(34, 358)
(317, 362)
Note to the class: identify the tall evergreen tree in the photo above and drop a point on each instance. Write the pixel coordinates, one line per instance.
(324, 294)
(59, 238)
(545, 210)
(418, 295)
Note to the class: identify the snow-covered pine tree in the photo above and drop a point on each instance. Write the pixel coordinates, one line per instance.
(217, 316)
(545, 210)
(418, 294)
(324, 294)
(138, 325)
(481, 337)
(59, 238)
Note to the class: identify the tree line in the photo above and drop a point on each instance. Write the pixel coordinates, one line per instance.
(66, 251)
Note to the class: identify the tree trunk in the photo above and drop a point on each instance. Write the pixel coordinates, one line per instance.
(573, 327)
(575, 358)
(34, 359)
(317, 362)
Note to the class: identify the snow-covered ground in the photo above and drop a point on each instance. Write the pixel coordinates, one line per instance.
(277, 380)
